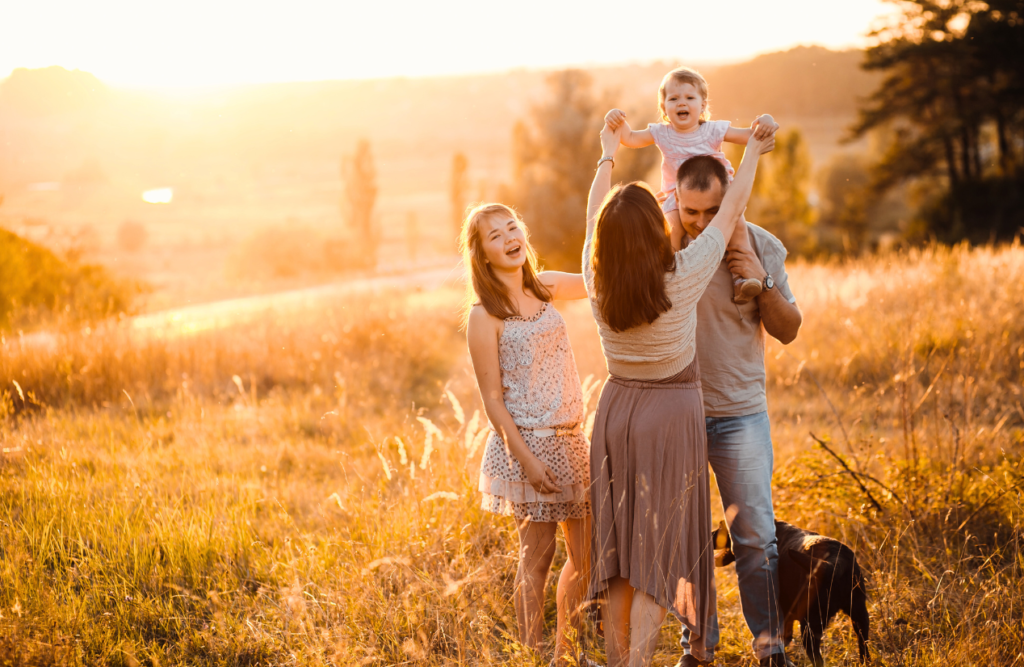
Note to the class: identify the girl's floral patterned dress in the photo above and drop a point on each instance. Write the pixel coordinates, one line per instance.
(542, 391)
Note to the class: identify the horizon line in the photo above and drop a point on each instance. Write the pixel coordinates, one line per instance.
(591, 65)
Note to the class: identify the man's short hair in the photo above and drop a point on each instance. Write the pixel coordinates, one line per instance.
(698, 173)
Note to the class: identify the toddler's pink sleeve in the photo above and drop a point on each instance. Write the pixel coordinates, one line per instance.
(716, 133)
(657, 133)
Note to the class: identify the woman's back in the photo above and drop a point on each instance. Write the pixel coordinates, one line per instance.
(667, 345)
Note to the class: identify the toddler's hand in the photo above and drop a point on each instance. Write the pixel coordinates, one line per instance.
(615, 118)
(761, 146)
(764, 126)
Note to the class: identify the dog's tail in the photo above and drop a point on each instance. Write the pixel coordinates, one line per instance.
(859, 611)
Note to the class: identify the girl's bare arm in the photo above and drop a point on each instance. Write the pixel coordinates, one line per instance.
(482, 333)
(564, 286)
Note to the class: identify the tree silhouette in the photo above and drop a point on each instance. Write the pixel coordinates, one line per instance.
(553, 161)
(782, 205)
(360, 178)
(457, 192)
(845, 197)
(953, 93)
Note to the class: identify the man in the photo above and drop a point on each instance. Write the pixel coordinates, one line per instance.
(730, 351)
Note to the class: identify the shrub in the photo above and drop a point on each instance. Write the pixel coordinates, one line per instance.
(38, 287)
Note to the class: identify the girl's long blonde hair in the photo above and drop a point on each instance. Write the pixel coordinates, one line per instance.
(692, 77)
(484, 287)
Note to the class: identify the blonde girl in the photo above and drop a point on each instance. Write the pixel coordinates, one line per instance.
(686, 130)
(536, 462)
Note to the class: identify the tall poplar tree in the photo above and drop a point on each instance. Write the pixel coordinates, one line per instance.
(360, 179)
(458, 191)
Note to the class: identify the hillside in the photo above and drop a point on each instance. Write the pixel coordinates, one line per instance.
(77, 154)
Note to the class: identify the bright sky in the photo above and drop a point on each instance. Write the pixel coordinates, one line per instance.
(208, 42)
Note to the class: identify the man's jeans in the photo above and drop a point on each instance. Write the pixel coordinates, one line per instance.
(740, 453)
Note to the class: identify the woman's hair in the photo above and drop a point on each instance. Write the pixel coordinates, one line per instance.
(630, 254)
(692, 77)
(484, 287)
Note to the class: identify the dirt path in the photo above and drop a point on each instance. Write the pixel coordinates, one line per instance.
(231, 312)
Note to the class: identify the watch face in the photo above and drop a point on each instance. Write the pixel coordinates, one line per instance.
(769, 283)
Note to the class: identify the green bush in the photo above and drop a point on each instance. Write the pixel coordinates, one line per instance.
(37, 287)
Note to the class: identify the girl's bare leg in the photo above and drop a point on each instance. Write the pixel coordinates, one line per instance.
(573, 583)
(536, 550)
(615, 612)
(645, 618)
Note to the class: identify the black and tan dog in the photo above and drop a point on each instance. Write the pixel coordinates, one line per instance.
(818, 577)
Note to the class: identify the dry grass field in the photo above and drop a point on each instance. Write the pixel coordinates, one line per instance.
(302, 491)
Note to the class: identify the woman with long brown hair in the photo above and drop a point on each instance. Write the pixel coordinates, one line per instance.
(650, 492)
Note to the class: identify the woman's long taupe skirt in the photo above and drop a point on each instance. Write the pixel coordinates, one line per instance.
(651, 497)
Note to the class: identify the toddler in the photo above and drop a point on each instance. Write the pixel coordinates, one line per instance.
(686, 131)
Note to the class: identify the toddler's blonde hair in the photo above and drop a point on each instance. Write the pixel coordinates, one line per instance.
(692, 77)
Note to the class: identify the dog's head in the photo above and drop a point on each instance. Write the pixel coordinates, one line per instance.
(722, 543)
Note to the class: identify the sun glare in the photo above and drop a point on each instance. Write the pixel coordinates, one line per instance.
(158, 196)
(315, 40)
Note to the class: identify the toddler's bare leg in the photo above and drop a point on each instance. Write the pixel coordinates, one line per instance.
(675, 230)
(745, 288)
(740, 238)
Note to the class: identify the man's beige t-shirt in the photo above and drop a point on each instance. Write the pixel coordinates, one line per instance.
(730, 339)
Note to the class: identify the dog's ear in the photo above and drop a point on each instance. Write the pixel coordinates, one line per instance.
(721, 542)
(801, 559)
(721, 538)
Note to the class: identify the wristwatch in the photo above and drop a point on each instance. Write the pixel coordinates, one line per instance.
(606, 159)
(769, 282)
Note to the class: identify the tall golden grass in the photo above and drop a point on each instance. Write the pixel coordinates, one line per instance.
(302, 490)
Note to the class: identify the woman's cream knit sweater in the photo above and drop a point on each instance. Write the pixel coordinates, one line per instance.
(667, 345)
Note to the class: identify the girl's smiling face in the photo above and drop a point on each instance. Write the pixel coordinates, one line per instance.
(503, 242)
(683, 106)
